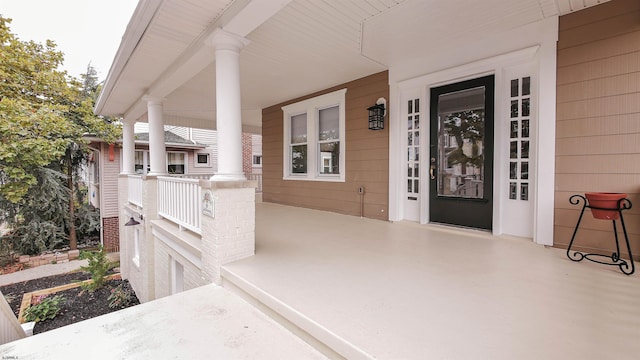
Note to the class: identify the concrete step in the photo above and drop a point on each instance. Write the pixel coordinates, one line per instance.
(314, 333)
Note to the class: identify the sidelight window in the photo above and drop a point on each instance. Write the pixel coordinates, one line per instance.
(519, 142)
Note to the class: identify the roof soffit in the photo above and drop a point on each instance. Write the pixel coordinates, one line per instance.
(169, 29)
(418, 28)
(338, 40)
(173, 48)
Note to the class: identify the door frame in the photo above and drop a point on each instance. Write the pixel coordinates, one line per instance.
(542, 58)
(458, 207)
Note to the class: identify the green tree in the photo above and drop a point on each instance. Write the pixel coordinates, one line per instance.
(33, 124)
(81, 103)
(466, 126)
(44, 115)
(38, 220)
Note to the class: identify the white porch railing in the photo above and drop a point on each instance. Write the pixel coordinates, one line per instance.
(190, 176)
(256, 177)
(135, 190)
(179, 201)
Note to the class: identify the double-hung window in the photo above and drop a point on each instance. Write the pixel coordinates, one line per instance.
(314, 138)
(203, 159)
(257, 161)
(142, 165)
(176, 162)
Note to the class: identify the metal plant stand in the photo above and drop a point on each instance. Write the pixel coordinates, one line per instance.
(627, 267)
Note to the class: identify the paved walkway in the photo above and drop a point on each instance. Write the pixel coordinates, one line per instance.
(47, 270)
(208, 322)
(204, 323)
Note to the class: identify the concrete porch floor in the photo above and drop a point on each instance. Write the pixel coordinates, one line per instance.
(373, 289)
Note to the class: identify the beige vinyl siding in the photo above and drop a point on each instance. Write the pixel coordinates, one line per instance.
(256, 143)
(10, 329)
(366, 158)
(598, 119)
(110, 171)
(204, 136)
(193, 170)
(209, 138)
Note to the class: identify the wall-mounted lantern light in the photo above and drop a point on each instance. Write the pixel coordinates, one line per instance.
(132, 222)
(376, 114)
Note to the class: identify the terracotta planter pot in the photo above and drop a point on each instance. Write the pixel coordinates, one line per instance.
(606, 201)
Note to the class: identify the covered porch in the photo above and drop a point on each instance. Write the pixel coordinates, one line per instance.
(375, 289)
(363, 289)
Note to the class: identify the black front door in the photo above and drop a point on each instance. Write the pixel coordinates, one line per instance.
(461, 153)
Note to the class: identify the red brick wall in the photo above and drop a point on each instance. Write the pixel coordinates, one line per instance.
(247, 153)
(111, 235)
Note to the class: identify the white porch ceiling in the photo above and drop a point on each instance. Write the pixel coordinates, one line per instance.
(306, 46)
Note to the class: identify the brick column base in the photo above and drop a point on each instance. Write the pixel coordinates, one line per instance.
(228, 233)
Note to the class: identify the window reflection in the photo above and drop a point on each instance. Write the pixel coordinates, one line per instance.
(514, 87)
(524, 151)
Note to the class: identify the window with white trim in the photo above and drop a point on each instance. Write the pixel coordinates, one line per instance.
(314, 138)
(94, 174)
(203, 159)
(257, 160)
(177, 276)
(142, 162)
(176, 162)
(520, 138)
(136, 247)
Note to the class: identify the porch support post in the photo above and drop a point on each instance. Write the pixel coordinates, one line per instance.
(157, 150)
(228, 104)
(124, 235)
(128, 148)
(227, 223)
(545, 162)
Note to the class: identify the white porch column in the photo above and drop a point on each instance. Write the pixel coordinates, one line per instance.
(128, 148)
(157, 150)
(228, 104)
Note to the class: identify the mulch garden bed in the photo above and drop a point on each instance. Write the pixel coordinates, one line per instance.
(80, 304)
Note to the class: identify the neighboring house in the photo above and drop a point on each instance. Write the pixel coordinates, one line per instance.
(495, 113)
(184, 157)
(256, 154)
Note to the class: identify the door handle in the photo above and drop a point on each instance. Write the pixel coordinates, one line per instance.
(432, 170)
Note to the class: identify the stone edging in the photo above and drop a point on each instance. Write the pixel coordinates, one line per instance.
(56, 258)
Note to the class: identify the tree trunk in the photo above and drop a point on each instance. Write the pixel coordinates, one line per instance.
(73, 240)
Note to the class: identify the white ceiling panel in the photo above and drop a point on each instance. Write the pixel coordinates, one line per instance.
(306, 46)
(569, 6)
(174, 26)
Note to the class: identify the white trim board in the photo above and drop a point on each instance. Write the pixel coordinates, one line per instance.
(540, 58)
